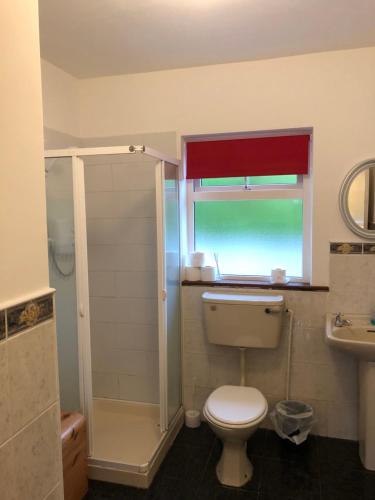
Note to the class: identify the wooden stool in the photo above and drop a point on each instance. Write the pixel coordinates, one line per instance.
(74, 451)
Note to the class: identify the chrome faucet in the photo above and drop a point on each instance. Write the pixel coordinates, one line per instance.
(340, 321)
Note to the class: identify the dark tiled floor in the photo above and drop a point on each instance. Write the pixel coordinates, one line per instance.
(319, 469)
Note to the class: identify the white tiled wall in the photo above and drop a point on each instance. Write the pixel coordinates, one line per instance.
(325, 378)
(120, 204)
(30, 445)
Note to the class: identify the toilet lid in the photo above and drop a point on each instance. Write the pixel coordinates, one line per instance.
(236, 405)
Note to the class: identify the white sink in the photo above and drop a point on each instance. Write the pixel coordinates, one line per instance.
(357, 339)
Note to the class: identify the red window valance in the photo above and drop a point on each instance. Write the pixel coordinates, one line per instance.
(282, 155)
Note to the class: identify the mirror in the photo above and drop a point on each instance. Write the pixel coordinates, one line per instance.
(357, 199)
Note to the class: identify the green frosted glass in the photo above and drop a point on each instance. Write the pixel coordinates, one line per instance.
(262, 180)
(253, 180)
(223, 181)
(252, 236)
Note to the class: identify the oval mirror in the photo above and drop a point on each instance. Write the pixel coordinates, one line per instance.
(357, 199)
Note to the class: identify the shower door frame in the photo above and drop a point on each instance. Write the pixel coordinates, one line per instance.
(82, 283)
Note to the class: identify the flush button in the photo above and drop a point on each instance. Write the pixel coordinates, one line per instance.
(212, 308)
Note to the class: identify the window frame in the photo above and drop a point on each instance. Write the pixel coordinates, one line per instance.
(300, 190)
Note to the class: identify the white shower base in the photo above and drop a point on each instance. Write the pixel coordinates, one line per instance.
(128, 446)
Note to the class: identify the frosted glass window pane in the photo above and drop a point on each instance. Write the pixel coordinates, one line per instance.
(263, 180)
(223, 181)
(252, 236)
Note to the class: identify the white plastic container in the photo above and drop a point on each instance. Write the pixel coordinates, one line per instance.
(192, 419)
(278, 276)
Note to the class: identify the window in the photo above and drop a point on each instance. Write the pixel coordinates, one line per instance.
(254, 223)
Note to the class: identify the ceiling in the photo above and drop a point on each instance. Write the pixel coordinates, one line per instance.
(89, 38)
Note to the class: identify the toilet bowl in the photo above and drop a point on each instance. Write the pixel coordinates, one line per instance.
(244, 321)
(234, 413)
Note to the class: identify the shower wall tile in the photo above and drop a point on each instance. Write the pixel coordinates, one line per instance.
(119, 204)
(121, 210)
(124, 336)
(320, 376)
(126, 177)
(103, 335)
(142, 363)
(136, 204)
(137, 337)
(102, 231)
(136, 231)
(100, 204)
(100, 160)
(142, 389)
(98, 178)
(105, 385)
(121, 231)
(122, 258)
(102, 283)
(124, 310)
(136, 284)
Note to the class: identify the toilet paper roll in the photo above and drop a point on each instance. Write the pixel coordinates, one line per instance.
(197, 259)
(192, 273)
(278, 275)
(208, 273)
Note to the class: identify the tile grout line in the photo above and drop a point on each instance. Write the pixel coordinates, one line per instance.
(29, 423)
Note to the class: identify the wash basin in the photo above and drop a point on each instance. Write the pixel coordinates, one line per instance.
(357, 339)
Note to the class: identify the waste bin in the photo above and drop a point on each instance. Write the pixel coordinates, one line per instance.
(293, 420)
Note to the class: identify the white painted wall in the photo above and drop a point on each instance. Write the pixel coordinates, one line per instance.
(30, 443)
(60, 100)
(23, 241)
(333, 92)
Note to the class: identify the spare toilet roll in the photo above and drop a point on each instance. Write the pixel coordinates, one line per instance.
(197, 259)
(192, 273)
(208, 273)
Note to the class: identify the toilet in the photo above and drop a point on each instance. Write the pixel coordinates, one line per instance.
(235, 412)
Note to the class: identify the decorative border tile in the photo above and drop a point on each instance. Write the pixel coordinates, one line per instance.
(28, 314)
(346, 248)
(369, 248)
(2, 325)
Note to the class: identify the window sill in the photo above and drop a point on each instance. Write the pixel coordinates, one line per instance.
(299, 286)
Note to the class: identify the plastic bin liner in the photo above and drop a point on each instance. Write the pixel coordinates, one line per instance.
(293, 420)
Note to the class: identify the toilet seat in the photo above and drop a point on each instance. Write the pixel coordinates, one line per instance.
(232, 406)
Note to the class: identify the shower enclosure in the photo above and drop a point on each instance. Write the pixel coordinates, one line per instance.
(114, 252)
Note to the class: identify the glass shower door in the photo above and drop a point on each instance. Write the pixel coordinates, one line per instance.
(168, 236)
(66, 220)
(62, 273)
